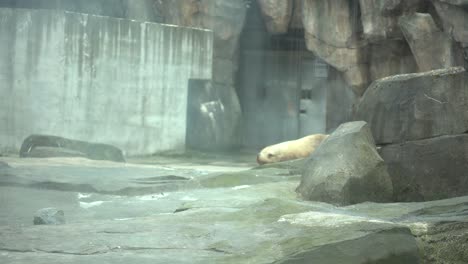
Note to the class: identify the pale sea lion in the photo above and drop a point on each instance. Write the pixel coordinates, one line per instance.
(289, 150)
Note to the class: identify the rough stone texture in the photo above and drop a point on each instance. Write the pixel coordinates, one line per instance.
(277, 15)
(340, 101)
(296, 19)
(225, 18)
(59, 68)
(331, 22)
(376, 27)
(214, 116)
(380, 18)
(454, 20)
(346, 169)
(390, 58)
(141, 10)
(223, 71)
(245, 216)
(428, 169)
(370, 249)
(331, 33)
(96, 151)
(416, 106)
(4, 165)
(432, 48)
(49, 216)
(445, 242)
(456, 2)
(350, 61)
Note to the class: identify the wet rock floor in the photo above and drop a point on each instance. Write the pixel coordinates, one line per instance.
(209, 209)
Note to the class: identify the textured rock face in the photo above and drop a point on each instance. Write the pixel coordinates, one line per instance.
(456, 2)
(454, 20)
(331, 22)
(444, 242)
(189, 215)
(225, 18)
(380, 18)
(277, 14)
(377, 27)
(296, 20)
(428, 169)
(49, 216)
(331, 33)
(432, 48)
(390, 58)
(416, 106)
(346, 169)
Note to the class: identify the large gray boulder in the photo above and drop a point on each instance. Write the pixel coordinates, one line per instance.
(428, 169)
(416, 106)
(432, 48)
(276, 14)
(346, 169)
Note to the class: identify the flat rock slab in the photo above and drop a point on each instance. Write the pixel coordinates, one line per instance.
(250, 216)
(416, 106)
(428, 169)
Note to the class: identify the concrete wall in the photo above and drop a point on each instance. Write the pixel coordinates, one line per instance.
(98, 79)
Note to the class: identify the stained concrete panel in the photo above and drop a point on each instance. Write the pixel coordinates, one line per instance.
(99, 79)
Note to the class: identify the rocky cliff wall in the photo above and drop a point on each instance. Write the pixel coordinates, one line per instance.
(370, 39)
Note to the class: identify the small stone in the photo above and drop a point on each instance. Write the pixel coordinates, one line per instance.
(4, 165)
(49, 216)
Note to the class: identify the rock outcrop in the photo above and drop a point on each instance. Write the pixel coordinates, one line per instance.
(416, 106)
(331, 32)
(421, 120)
(277, 15)
(389, 58)
(454, 21)
(432, 48)
(346, 169)
(428, 169)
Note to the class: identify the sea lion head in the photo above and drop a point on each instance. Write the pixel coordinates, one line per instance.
(269, 155)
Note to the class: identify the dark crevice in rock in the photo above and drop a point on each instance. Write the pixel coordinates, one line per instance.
(178, 210)
(15, 250)
(162, 179)
(113, 249)
(127, 248)
(441, 136)
(87, 188)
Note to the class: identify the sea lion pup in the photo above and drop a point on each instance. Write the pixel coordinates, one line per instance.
(289, 150)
